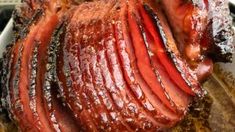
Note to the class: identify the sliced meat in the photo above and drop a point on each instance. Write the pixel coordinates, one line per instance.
(179, 97)
(22, 100)
(108, 101)
(143, 61)
(111, 65)
(186, 14)
(60, 115)
(203, 31)
(128, 105)
(166, 49)
(39, 68)
(132, 75)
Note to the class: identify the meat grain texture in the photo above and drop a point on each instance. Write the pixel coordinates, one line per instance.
(111, 65)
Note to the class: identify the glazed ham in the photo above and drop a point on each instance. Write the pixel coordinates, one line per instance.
(110, 64)
(203, 31)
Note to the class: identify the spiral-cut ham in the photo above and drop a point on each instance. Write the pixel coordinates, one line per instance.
(109, 65)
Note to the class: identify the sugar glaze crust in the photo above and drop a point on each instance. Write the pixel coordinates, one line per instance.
(98, 66)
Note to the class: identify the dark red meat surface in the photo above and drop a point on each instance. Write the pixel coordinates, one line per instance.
(111, 65)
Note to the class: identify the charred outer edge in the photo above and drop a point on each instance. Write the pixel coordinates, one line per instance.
(169, 52)
(21, 25)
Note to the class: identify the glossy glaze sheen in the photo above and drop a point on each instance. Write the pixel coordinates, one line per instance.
(98, 66)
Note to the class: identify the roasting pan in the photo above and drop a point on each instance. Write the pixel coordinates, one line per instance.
(215, 112)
